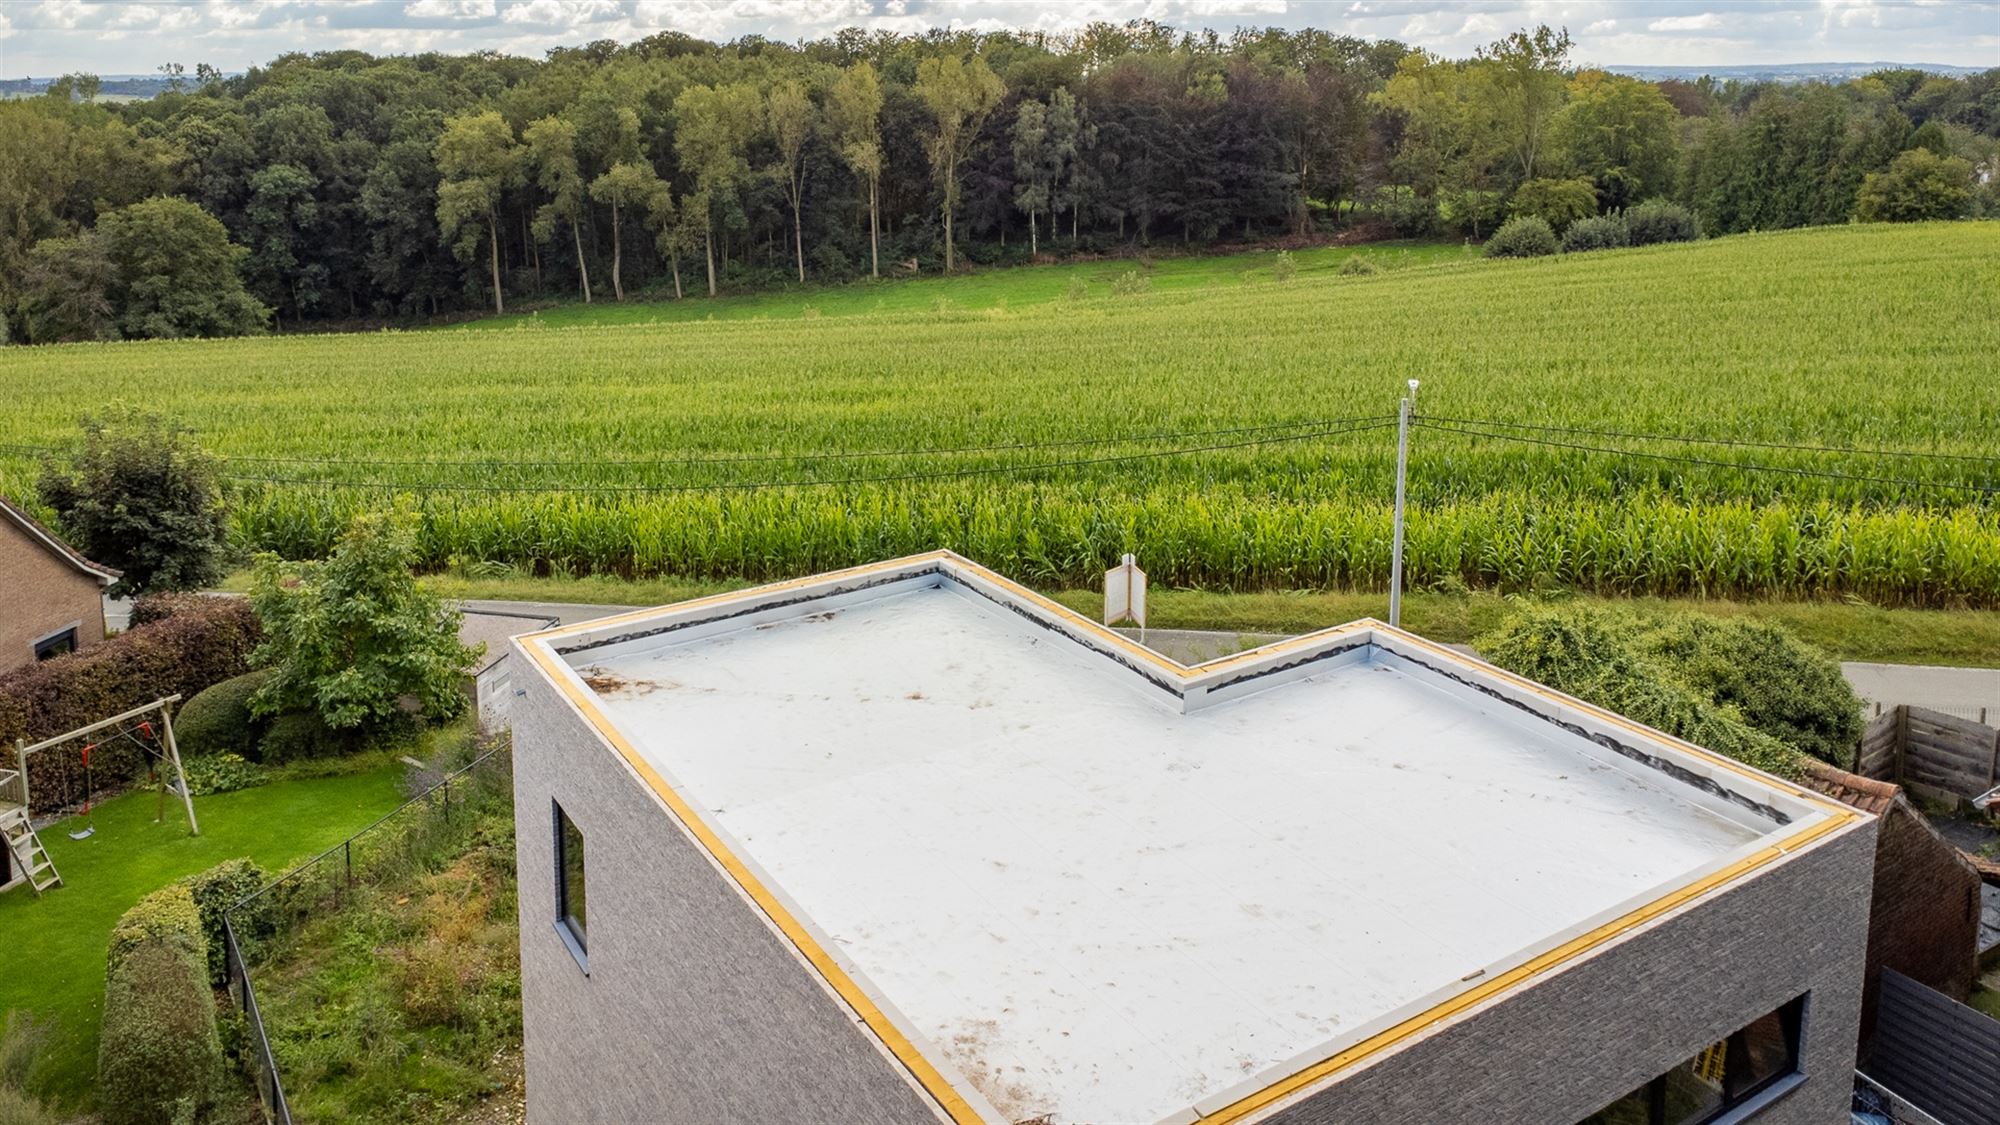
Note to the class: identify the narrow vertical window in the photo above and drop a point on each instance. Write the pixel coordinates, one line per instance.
(571, 913)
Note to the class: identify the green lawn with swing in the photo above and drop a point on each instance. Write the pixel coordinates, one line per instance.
(55, 944)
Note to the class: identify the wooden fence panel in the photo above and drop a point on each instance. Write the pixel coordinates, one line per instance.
(1936, 1053)
(1877, 758)
(1917, 746)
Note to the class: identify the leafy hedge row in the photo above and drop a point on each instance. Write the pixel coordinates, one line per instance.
(178, 643)
(1751, 691)
(160, 1055)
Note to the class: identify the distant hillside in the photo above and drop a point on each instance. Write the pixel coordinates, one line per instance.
(1787, 72)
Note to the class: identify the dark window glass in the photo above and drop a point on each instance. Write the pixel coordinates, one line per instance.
(571, 914)
(61, 643)
(1722, 1077)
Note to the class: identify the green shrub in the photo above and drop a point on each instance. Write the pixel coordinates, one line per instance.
(209, 774)
(218, 719)
(1359, 266)
(215, 891)
(160, 1053)
(1778, 684)
(296, 736)
(1286, 267)
(1077, 290)
(1599, 232)
(1602, 656)
(1556, 202)
(1658, 220)
(1917, 185)
(22, 1040)
(182, 648)
(1527, 237)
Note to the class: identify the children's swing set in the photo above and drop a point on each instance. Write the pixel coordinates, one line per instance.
(24, 859)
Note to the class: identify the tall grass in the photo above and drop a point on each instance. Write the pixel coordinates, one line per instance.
(1862, 336)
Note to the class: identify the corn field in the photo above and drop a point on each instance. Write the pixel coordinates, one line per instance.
(648, 449)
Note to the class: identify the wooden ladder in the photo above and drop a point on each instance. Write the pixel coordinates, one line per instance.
(30, 857)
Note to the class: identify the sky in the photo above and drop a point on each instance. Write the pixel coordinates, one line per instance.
(47, 37)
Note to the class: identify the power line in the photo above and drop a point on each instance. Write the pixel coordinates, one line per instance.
(892, 478)
(1740, 442)
(833, 455)
(1900, 482)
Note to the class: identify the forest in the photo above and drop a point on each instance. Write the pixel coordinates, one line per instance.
(342, 189)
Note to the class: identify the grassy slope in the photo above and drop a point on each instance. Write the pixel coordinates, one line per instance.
(55, 945)
(1012, 288)
(1849, 631)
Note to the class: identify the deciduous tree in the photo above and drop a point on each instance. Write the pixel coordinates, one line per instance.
(477, 160)
(854, 111)
(793, 118)
(959, 95)
(551, 143)
(712, 127)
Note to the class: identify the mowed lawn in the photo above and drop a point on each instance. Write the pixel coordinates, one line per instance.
(55, 945)
(1013, 287)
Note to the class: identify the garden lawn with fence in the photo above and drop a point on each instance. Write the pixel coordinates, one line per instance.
(56, 944)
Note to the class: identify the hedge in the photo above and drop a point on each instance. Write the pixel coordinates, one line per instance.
(185, 644)
(160, 1054)
(215, 891)
(218, 719)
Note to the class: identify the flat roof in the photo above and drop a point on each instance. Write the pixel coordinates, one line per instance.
(1064, 877)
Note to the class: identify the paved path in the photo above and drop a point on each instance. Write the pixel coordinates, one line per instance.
(1969, 693)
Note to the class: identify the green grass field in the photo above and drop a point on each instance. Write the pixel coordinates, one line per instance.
(765, 448)
(985, 290)
(55, 945)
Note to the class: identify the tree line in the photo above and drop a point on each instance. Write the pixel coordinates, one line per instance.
(343, 186)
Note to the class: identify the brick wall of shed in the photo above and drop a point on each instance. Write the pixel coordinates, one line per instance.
(43, 594)
(1925, 921)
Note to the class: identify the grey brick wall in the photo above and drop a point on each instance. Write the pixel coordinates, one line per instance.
(694, 1010)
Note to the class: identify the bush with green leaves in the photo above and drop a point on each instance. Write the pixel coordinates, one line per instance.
(1747, 690)
(1779, 684)
(22, 1039)
(218, 719)
(1359, 266)
(355, 638)
(1556, 202)
(1522, 238)
(1660, 220)
(302, 736)
(160, 1053)
(1599, 232)
(139, 494)
(1919, 184)
(209, 774)
(1286, 267)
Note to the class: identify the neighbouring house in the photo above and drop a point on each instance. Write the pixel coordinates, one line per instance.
(1924, 920)
(54, 596)
(490, 687)
(911, 843)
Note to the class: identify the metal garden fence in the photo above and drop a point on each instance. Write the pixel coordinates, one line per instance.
(407, 839)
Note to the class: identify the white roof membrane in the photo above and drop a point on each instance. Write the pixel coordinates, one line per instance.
(1098, 907)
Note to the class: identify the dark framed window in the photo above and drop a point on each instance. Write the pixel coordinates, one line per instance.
(56, 644)
(572, 914)
(1750, 1068)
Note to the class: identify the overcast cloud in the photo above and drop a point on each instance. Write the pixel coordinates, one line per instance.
(46, 37)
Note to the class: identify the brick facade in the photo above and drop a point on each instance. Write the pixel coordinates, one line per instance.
(43, 590)
(1925, 919)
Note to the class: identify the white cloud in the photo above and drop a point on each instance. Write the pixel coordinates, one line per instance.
(1706, 21)
(449, 9)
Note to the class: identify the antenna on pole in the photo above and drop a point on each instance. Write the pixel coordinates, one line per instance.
(1402, 472)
